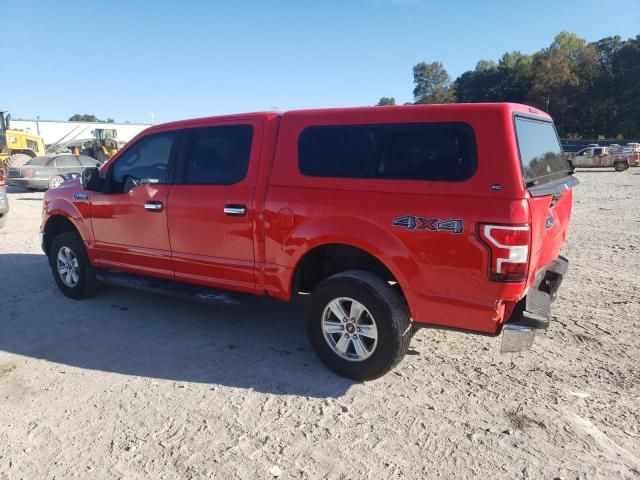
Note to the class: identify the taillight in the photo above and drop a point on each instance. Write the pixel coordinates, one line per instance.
(29, 173)
(508, 251)
(1, 179)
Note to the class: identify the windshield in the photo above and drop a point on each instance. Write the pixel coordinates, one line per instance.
(540, 151)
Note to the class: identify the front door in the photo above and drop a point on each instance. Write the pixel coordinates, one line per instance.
(211, 211)
(130, 221)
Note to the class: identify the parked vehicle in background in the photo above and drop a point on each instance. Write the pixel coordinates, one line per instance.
(16, 146)
(103, 146)
(391, 217)
(600, 157)
(614, 148)
(4, 200)
(593, 145)
(48, 172)
(635, 147)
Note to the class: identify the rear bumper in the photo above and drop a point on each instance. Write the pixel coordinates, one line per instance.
(533, 312)
(27, 183)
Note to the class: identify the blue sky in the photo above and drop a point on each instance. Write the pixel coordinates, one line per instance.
(181, 59)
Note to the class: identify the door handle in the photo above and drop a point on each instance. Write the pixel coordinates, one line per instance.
(235, 210)
(153, 206)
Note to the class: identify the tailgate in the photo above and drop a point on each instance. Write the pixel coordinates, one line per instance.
(549, 224)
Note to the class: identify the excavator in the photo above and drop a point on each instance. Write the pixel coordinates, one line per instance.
(17, 147)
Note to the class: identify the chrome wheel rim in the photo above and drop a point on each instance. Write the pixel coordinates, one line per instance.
(349, 329)
(56, 182)
(68, 269)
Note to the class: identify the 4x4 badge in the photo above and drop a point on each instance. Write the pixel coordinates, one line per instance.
(435, 224)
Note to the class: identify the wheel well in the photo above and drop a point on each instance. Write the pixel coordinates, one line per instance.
(54, 227)
(327, 260)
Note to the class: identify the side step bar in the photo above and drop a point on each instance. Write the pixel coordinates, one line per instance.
(171, 288)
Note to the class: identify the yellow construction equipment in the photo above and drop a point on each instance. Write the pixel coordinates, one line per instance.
(17, 147)
(103, 146)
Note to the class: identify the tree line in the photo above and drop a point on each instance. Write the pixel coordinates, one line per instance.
(592, 90)
(85, 117)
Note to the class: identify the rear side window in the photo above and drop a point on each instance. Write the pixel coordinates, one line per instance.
(67, 161)
(218, 155)
(540, 151)
(428, 151)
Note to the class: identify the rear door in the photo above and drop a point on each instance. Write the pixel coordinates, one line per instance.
(211, 212)
(130, 221)
(546, 176)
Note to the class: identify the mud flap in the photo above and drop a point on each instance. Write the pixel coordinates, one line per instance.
(516, 338)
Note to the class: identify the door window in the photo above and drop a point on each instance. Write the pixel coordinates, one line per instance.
(67, 161)
(86, 161)
(147, 159)
(218, 155)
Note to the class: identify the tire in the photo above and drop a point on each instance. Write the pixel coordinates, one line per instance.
(620, 166)
(17, 159)
(88, 152)
(102, 157)
(55, 182)
(85, 283)
(385, 315)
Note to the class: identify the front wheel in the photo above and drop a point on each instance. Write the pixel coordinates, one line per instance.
(358, 325)
(70, 266)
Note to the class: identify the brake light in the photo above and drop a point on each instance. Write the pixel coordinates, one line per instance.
(508, 247)
(1, 179)
(29, 173)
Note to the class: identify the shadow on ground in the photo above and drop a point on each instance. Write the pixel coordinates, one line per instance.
(259, 344)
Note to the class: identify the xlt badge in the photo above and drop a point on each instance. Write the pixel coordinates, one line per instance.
(435, 224)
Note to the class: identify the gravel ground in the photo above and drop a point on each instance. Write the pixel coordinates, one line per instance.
(131, 385)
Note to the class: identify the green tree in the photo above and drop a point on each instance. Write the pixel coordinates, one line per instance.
(83, 118)
(432, 84)
(592, 90)
(386, 101)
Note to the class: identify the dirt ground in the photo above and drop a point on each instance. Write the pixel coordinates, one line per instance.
(131, 385)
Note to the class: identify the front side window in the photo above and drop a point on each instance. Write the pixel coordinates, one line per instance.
(86, 161)
(426, 151)
(540, 151)
(146, 160)
(218, 155)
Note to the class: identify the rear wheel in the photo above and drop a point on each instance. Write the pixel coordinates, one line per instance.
(70, 265)
(620, 166)
(359, 325)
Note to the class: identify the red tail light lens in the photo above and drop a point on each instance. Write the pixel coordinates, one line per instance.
(1, 179)
(29, 173)
(508, 247)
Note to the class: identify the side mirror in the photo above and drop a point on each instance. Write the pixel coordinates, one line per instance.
(7, 121)
(90, 179)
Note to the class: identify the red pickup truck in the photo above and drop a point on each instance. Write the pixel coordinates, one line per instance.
(391, 218)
